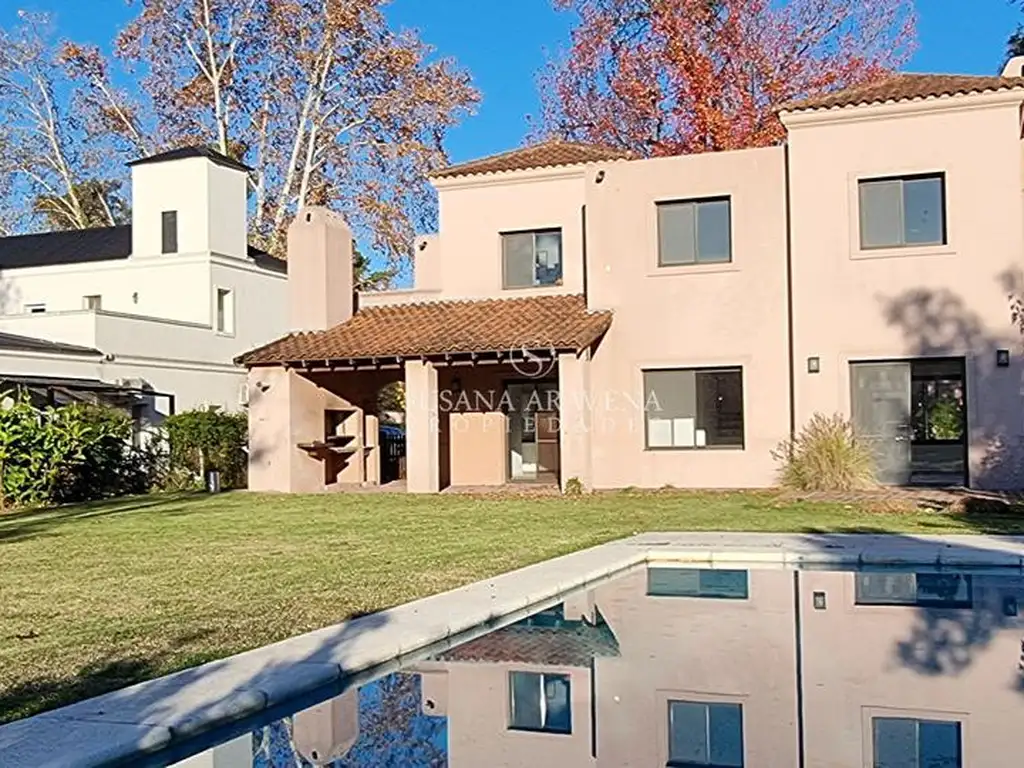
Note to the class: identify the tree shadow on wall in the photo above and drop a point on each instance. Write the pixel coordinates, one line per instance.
(937, 322)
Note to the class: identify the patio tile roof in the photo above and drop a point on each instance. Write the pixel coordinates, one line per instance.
(574, 645)
(906, 87)
(544, 155)
(444, 327)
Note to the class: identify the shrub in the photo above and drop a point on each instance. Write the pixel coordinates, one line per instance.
(573, 487)
(72, 453)
(202, 440)
(825, 456)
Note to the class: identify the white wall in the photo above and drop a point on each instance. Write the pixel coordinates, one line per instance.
(226, 202)
(178, 185)
(260, 301)
(173, 286)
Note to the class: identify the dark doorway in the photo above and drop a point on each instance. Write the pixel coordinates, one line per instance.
(914, 415)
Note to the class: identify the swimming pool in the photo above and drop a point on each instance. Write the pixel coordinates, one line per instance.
(887, 652)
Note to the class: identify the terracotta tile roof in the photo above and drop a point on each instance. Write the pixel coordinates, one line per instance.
(575, 645)
(403, 330)
(545, 155)
(905, 87)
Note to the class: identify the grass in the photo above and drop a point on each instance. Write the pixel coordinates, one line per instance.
(98, 596)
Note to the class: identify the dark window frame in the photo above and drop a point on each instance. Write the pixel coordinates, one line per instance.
(535, 232)
(710, 593)
(940, 176)
(696, 202)
(670, 763)
(918, 721)
(737, 369)
(542, 676)
(917, 602)
(168, 232)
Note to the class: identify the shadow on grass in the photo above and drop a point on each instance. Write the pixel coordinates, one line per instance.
(24, 524)
(94, 679)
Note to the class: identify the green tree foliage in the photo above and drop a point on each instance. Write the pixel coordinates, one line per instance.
(202, 440)
(100, 204)
(74, 453)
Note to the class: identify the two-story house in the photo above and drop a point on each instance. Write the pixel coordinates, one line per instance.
(583, 315)
(148, 315)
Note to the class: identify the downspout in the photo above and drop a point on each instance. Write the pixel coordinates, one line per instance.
(583, 240)
(789, 299)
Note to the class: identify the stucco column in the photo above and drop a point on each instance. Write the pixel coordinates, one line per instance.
(422, 446)
(574, 418)
(285, 409)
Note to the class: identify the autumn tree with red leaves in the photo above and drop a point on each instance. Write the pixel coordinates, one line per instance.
(667, 77)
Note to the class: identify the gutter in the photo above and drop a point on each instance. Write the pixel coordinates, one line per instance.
(789, 299)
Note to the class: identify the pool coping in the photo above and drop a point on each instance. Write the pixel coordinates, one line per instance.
(156, 715)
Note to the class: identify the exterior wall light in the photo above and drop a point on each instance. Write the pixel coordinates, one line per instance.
(1003, 358)
(814, 365)
(820, 602)
(600, 177)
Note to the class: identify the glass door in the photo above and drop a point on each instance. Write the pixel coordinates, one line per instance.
(881, 416)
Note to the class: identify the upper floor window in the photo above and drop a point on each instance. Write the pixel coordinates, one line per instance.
(169, 232)
(903, 742)
(532, 258)
(935, 590)
(694, 408)
(705, 734)
(539, 702)
(35, 309)
(94, 301)
(903, 212)
(225, 311)
(697, 582)
(695, 232)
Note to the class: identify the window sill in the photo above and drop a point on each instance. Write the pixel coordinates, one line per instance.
(694, 448)
(547, 731)
(677, 270)
(902, 252)
(226, 334)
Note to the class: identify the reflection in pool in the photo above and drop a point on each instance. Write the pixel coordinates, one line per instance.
(676, 666)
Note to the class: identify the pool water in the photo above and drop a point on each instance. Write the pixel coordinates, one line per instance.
(671, 665)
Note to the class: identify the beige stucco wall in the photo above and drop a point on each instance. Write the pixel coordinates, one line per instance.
(479, 448)
(689, 316)
(474, 211)
(478, 717)
(948, 300)
(693, 649)
(853, 671)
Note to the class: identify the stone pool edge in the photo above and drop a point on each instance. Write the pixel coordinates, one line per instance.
(151, 716)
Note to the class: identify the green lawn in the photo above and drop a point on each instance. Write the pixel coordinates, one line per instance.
(98, 596)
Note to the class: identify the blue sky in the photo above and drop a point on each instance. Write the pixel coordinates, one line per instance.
(505, 42)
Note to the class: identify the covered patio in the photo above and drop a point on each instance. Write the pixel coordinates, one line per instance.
(495, 392)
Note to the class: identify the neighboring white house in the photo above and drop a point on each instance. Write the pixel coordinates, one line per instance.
(149, 315)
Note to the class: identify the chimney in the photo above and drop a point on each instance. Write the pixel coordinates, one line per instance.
(1014, 67)
(320, 284)
(427, 263)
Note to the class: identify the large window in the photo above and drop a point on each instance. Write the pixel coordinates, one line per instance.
(539, 702)
(169, 232)
(532, 258)
(902, 212)
(705, 734)
(724, 584)
(695, 232)
(936, 590)
(900, 742)
(694, 408)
